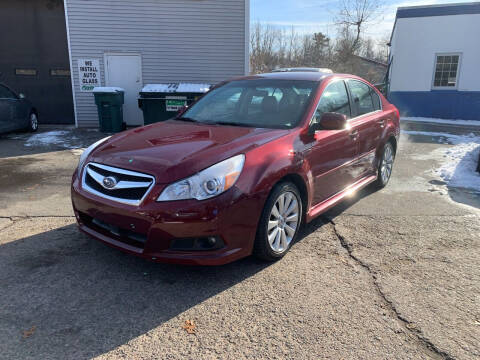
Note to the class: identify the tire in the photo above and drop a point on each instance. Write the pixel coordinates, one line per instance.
(385, 166)
(32, 122)
(288, 221)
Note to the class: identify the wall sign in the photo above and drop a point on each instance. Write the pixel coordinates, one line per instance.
(175, 103)
(89, 74)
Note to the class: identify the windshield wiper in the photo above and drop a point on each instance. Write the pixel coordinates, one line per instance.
(228, 123)
(183, 118)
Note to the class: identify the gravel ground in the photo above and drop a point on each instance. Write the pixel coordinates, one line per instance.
(392, 274)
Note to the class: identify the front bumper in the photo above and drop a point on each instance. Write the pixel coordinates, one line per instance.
(232, 216)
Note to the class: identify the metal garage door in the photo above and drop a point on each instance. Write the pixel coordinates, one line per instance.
(34, 56)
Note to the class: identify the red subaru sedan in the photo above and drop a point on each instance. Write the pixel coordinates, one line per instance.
(239, 171)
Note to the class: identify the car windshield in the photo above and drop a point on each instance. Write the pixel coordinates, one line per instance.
(262, 103)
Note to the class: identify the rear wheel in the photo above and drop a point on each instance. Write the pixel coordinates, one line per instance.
(32, 122)
(385, 165)
(279, 224)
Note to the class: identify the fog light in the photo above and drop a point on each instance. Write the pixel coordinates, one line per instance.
(197, 244)
(212, 240)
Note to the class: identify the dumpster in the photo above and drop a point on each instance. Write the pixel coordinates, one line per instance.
(109, 101)
(160, 102)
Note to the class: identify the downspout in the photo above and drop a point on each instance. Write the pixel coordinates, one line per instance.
(387, 73)
(67, 25)
(247, 37)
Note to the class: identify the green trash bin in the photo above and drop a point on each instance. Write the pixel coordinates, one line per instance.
(109, 101)
(160, 102)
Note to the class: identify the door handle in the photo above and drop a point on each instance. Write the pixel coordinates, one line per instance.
(381, 123)
(354, 134)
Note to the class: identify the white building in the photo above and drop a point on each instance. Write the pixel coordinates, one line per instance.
(54, 51)
(435, 61)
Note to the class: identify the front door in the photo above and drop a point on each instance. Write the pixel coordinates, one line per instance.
(4, 115)
(6, 110)
(125, 71)
(332, 154)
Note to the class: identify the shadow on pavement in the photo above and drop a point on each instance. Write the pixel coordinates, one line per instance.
(85, 298)
(350, 201)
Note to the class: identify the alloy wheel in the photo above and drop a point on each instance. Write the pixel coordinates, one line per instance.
(33, 122)
(387, 163)
(283, 222)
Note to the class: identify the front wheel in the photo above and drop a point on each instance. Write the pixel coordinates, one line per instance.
(32, 122)
(385, 165)
(279, 224)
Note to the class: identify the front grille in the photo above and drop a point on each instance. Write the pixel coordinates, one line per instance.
(130, 187)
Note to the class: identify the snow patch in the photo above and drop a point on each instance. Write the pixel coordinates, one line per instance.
(458, 163)
(193, 88)
(442, 121)
(162, 88)
(174, 87)
(459, 168)
(56, 137)
(107, 89)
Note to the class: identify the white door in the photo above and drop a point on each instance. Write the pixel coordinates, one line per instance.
(125, 71)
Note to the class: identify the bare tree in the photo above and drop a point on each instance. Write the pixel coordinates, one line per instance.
(357, 14)
(263, 43)
(272, 48)
(383, 48)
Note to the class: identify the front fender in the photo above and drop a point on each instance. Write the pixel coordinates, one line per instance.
(265, 166)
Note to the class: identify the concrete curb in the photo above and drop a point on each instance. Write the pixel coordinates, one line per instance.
(436, 127)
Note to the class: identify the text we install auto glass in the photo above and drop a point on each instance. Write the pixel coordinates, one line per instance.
(88, 73)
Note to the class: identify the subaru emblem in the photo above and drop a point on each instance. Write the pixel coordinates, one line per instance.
(109, 182)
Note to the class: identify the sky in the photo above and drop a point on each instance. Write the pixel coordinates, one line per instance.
(308, 16)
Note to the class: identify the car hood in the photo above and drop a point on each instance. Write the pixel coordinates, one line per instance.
(173, 150)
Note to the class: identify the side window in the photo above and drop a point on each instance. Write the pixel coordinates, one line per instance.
(334, 99)
(6, 93)
(362, 99)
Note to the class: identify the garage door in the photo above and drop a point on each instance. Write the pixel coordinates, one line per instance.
(34, 60)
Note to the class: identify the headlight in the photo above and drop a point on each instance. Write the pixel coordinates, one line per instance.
(87, 152)
(207, 183)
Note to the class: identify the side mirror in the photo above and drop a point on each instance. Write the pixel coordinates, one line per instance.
(333, 121)
(21, 96)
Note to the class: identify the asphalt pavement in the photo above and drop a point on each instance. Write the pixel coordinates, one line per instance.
(392, 274)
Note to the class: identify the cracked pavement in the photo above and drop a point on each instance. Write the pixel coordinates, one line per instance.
(392, 274)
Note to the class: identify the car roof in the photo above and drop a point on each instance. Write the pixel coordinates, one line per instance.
(294, 75)
(303, 69)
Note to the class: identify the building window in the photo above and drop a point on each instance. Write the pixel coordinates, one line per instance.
(59, 72)
(446, 70)
(26, 72)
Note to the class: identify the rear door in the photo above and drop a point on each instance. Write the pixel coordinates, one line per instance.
(331, 154)
(368, 120)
